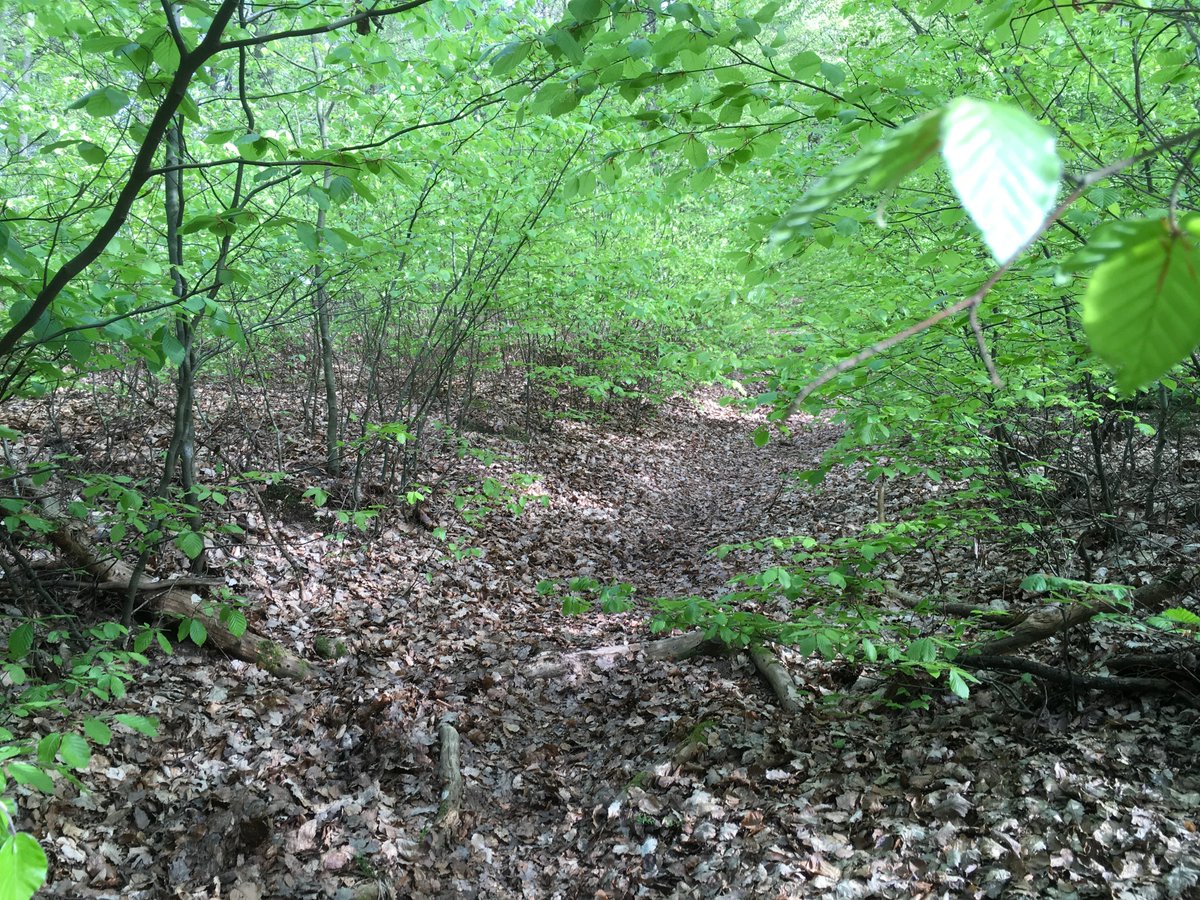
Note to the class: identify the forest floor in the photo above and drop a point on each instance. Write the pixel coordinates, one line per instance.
(627, 778)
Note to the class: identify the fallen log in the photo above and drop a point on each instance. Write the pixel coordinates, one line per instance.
(776, 677)
(1056, 675)
(1051, 620)
(1180, 665)
(992, 618)
(683, 646)
(115, 575)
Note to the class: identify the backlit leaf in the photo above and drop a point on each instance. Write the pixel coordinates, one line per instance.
(1004, 168)
(1140, 311)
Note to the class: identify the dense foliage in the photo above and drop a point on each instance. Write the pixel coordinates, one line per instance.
(966, 228)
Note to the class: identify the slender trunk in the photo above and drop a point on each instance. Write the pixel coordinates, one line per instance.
(182, 450)
(333, 462)
(1160, 443)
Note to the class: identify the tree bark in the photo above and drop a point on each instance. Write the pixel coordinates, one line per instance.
(776, 677)
(450, 772)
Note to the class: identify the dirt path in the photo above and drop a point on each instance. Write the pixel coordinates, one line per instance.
(642, 779)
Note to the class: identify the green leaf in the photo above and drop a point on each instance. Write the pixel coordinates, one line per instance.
(762, 436)
(98, 731)
(509, 57)
(102, 102)
(164, 644)
(190, 543)
(880, 166)
(341, 188)
(235, 620)
(682, 11)
(749, 28)
(91, 153)
(308, 236)
(75, 751)
(1140, 311)
(197, 632)
(22, 867)
(638, 48)
(47, 748)
(1004, 168)
(197, 223)
(34, 776)
(585, 10)
(958, 684)
(20, 641)
(140, 724)
(1182, 616)
(566, 42)
(833, 74)
(695, 152)
(574, 605)
(172, 349)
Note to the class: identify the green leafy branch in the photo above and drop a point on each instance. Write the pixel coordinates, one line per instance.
(1139, 310)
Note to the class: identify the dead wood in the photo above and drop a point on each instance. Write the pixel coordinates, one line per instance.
(984, 615)
(681, 646)
(776, 677)
(1057, 675)
(450, 772)
(1183, 665)
(115, 575)
(144, 584)
(1051, 620)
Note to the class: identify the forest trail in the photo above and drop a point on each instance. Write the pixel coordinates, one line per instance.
(639, 778)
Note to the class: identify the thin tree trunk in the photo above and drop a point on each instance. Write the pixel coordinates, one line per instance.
(333, 462)
(1160, 443)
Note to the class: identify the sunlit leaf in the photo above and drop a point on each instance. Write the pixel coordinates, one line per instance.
(1004, 168)
(22, 866)
(1140, 311)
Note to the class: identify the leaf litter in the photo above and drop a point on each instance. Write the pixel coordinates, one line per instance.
(633, 778)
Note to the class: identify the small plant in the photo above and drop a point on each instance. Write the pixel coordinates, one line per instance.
(269, 653)
(358, 519)
(455, 550)
(578, 595)
(417, 493)
(328, 648)
(99, 671)
(493, 494)
(1180, 621)
(228, 608)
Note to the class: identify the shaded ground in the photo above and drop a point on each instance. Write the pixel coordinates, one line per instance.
(641, 779)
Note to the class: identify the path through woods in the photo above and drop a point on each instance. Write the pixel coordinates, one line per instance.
(626, 778)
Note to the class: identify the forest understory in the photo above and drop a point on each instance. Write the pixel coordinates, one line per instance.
(610, 775)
